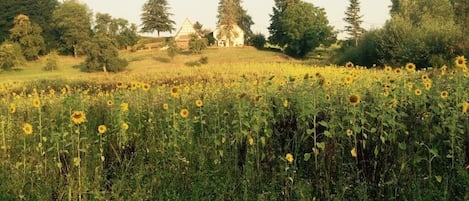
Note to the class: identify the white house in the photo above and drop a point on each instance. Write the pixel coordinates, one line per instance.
(236, 39)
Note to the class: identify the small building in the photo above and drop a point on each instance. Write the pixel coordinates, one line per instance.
(236, 39)
(184, 33)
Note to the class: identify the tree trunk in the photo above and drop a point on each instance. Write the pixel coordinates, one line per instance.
(75, 51)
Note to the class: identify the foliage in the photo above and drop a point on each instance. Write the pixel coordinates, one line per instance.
(102, 55)
(10, 55)
(28, 36)
(197, 44)
(228, 18)
(365, 54)
(258, 40)
(238, 132)
(52, 60)
(118, 29)
(299, 28)
(39, 12)
(156, 17)
(73, 22)
(354, 21)
(173, 49)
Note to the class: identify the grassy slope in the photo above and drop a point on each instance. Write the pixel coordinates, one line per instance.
(142, 62)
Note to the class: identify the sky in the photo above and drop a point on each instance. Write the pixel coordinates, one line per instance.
(375, 12)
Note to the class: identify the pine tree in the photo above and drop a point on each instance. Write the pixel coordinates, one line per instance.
(156, 17)
(354, 20)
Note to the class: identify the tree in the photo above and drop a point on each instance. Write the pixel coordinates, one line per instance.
(10, 55)
(39, 12)
(197, 44)
(354, 20)
(258, 41)
(102, 55)
(28, 36)
(155, 17)
(117, 29)
(299, 27)
(461, 13)
(231, 13)
(73, 21)
(173, 49)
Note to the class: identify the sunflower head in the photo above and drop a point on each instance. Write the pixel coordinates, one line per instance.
(354, 99)
(289, 157)
(348, 79)
(349, 65)
(418, 92)
(460, 62)
(410, 67)
(124, 107)
(184, 113)
(102, 129)
(12, 108)
(165, 106)
(387, 69)
(465, 106)
(145, 86)
(444, 94)
(124, 126)
(78, 117)
(28, 129)
(199, 103)
(36, 103)
(175, 91)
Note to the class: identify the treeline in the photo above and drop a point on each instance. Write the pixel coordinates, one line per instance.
(31, 28)
(428, 33)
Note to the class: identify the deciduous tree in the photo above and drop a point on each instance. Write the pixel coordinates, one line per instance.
(28, 35)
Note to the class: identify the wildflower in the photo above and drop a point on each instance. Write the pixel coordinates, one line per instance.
(410, 67)
(465, 106)
(353, 152)
(285, 103)
(444, 94)
(36, 103)
(349, 65)
(165, 106)
(184, 113)
(124, 107)
(145, 87)
(28, 129)
(289, 157)
(349, 132)
(124, 126)
(199, 103)
(12, 108)
(418, 92)
(102, 129)
(78, 117)
(354, 99)
(428, 85)
(460, 62)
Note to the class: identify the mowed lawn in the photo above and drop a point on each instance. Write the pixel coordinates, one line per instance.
(142, 61)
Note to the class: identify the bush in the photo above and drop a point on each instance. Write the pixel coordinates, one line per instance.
(258, 41)
(196, 44)
(51, 62)
(10, 55)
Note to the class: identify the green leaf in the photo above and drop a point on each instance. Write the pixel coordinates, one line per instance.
(433, 151)
(307, 156)
(321, 145)
(438, 179)
(324, 123)
(328, 134)
(402, 146)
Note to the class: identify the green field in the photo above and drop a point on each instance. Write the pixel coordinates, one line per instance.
(249, 125)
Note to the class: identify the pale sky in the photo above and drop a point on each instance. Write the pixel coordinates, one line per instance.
(375, 12)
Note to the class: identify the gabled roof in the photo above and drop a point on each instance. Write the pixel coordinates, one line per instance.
(185, 31)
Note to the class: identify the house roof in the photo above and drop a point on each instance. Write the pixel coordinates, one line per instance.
(185, 30)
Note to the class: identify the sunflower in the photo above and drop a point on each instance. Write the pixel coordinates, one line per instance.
(289, 157)
(109, 103)
(444, 94)
(78, 117)
(349, 132)
(398, 71)
(145, 87)
(348, 79)
(428, 85)
(250, 141)
(165, 106)
(425, 78)
(102, 129)
(327, 97)
(353, 152)
(418, 92)
(175, 92)
(120, 85)
(354, 99)
(12, 108)
(124, 107)
(387, 69)
(124, 126)
(28, 129)
(285, 103)
(349, 65)
(184, 113)
(36, 103)
(410, 67)
(199, 103)
(465, 106)
(460, 62)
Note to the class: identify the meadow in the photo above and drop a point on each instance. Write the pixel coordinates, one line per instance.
(246, 128)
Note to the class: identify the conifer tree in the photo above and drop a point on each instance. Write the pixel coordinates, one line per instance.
(156, 17)
(354, 20)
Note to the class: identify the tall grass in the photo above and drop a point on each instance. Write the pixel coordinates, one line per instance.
(238, 132)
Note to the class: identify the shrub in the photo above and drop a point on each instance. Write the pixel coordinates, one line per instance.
(258, 41)
(51, 62)
(10, 55)
(196, 44)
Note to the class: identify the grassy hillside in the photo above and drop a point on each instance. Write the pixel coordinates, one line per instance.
(142, 62)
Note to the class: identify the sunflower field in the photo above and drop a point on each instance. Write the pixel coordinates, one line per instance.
(274, 131)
